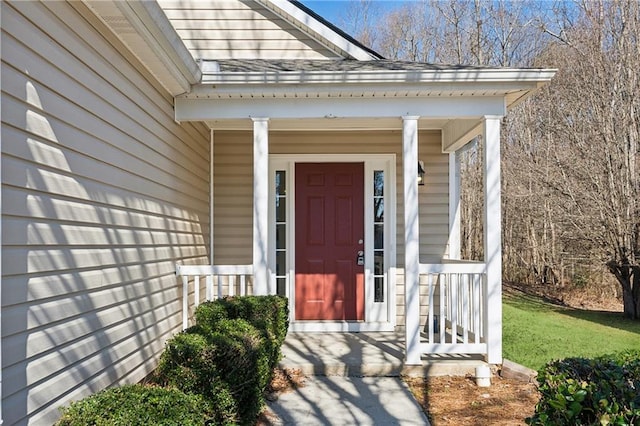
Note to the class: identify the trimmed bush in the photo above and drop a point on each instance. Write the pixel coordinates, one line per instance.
(580, 391)
(228, 365)
(269, 314)
(191, 363)
(243, 363)
(216, 371)
(137, 405)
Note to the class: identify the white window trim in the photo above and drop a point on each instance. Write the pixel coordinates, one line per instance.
(375, 318)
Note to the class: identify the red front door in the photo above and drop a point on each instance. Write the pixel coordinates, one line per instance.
(329, 234)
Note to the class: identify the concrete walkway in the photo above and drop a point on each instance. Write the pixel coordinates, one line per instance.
(353, 379)
(339, 400)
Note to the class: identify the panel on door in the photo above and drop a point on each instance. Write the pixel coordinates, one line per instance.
(329, 210)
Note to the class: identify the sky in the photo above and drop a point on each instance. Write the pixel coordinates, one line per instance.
(328, 9)
(333, 10)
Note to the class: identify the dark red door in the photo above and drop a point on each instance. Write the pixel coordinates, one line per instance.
(329, 235)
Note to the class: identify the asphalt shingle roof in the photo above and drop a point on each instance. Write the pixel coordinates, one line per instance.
(262, 65)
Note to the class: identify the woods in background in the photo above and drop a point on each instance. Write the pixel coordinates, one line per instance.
(571, 154)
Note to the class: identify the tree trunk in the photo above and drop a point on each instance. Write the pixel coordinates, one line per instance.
(629, 278)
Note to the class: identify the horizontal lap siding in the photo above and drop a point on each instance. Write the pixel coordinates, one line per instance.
(239, 30)
(233, 179)
(102, 194)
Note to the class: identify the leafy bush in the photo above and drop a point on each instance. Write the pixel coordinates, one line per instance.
(191, 363)
(243, 363)
(216, 371)
(136, 405)
(269, 314)
(580, 391)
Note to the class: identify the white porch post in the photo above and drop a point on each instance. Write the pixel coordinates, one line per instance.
(492, 239)
(260, 205)
(454, 206)
(211, 199)
(411, 239)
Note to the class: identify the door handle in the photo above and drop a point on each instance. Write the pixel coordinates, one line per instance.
(360, 258)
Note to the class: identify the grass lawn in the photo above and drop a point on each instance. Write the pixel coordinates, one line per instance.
(536, 332)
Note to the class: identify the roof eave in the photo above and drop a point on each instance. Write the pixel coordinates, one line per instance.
(539, 76)
(320, 31)
(166, 56)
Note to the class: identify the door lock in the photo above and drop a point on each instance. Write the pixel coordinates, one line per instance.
(360, 258)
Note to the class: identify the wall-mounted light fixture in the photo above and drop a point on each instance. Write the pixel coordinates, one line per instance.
(420, 173)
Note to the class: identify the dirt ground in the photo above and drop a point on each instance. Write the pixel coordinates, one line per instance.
(459, 401)
(448, 400)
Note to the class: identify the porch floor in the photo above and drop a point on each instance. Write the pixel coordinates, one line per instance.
(366, 354)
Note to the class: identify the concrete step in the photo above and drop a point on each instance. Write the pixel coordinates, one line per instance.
(366, 355)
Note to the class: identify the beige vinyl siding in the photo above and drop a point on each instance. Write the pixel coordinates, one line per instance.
(102, 193)
(233, 179)
(239, 30)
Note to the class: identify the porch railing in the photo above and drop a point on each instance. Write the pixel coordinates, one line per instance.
(229, 280)
(456, 306)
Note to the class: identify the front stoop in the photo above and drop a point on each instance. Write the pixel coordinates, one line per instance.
(366, 355)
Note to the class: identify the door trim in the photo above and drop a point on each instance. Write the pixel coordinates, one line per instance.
(377, 316)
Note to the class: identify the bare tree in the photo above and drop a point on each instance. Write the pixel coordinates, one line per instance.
(571, 178)
(593, 110)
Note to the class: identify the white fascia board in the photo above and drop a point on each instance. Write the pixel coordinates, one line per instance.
(317, 29)
(153, 26)
(391, 89)
(188, 109)
(541, 76)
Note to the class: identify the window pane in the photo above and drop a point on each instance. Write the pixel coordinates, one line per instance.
(281, 236)
(378, 183)
(378, 237)
(378, 263)
(378, 209)
(281, 263)
(281, 183)
(378, 289)
(281, 210)
(281, 286)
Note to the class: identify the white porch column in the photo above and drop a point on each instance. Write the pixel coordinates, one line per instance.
(211, 199)
(454, 206)
(260, 205)
(411, 239)
(492, 239)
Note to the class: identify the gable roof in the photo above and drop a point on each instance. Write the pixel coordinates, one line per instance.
(348, 38)
(259, 29)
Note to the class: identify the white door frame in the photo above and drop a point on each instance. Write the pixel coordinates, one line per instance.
(377, 316)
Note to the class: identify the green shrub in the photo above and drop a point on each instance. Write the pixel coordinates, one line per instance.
(243, 362)
(216, 371)
(580, 391)
(136, 405)
(191, 363)
(269, 314)
(227, 364)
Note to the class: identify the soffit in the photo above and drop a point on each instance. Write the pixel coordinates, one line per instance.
(145, 30)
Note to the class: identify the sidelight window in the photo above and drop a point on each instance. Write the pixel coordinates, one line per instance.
(281, 232)
(378, 236)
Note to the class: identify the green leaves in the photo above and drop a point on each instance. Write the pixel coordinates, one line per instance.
(580, 391)
(137, 405)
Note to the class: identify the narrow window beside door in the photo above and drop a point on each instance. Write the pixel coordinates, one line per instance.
(378, 236)
(281, 233)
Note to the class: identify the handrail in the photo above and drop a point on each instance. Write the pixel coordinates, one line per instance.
(192, 270)
(210, 271)
(454, 267)
(456, 296)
